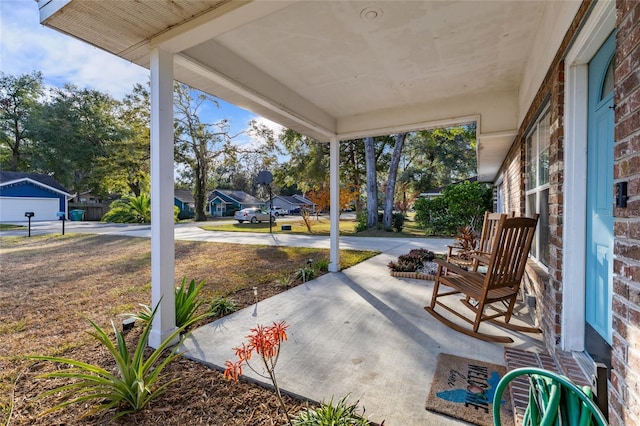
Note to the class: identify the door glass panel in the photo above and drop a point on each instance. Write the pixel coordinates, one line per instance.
(607, 85)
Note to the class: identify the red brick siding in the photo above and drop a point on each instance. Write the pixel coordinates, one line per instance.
(624, 388)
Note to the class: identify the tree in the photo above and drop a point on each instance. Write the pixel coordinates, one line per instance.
(198, 144)
(387, 218)
(129, 162)
(308, 163)
(372, 183)
(19, 98)
(74, 135)
(207, 150)
(438, 157)
(321, 197)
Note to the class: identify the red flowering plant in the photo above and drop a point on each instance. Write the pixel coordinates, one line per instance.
(265, 341)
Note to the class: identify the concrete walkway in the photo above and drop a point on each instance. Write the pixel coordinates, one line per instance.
(359, 332)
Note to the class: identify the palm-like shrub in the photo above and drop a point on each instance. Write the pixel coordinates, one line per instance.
(340, 414)
(132, 209)
(134, 383)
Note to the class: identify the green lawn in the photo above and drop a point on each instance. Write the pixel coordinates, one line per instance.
(8, 227)
(318, 227)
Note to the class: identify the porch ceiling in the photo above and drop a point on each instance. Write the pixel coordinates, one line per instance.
(343, 68)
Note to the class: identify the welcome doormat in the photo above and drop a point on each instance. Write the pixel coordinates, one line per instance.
(463, 388)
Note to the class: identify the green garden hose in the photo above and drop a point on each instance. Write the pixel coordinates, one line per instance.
(553, 400)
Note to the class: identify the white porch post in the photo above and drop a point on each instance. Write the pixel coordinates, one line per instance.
(162, 226)
(334, 186)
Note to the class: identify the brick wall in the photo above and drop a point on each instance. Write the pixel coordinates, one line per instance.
(624, 388)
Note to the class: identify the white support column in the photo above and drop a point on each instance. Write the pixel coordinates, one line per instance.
(162, 225)
(334, 185)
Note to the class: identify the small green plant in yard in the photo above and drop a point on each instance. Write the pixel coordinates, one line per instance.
(222, 306)
(285, 280)
(322, 265)
(340, 414)
(133, 384)
(265, 341)
(305, 273)
(187, 303)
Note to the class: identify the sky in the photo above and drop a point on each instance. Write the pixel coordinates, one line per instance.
(27, 46)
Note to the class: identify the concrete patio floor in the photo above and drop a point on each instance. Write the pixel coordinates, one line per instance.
(359, 332)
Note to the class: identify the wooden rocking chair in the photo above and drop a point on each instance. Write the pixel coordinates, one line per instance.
(464, 258)
(501, 283)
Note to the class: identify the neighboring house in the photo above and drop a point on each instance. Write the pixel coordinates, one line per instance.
(224, 202)
(436, 192)
(30, 192)
(293, 203)
(183, 199)
(86, 198)
(552, 86)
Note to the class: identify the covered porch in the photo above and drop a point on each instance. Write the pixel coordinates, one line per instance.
(332, 70)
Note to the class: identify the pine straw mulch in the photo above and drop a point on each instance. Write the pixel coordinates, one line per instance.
(52, 284)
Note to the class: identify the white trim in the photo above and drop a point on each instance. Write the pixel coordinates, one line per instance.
(411, 127)
(252, 95)
(35, 182)
(595, 31)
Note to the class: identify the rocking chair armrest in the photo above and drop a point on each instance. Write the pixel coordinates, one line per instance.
(451, 267)
(482, 257)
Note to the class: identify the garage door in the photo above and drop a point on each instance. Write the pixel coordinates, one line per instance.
(12, 208)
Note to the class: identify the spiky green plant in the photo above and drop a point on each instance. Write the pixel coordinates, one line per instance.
(222, 306)
(134, 384)
(187, 303)
(340, 414)
(322, 265)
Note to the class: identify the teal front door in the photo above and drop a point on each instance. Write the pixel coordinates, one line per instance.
(599, 252)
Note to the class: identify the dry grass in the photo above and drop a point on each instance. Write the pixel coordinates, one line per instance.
(51, 284)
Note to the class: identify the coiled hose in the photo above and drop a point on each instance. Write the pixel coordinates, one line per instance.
(553, 400)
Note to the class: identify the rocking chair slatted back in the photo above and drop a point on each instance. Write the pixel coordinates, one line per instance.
(508, 259)
(489, 230)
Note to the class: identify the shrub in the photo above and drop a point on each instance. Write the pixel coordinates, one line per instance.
(361, 219)
(131, 209)
(285, 280)
(413, 261)
(322, 265)
(340, 414)
(458, 206)
(305, 273)
(187, 303)
(182, 215)
(222, 306)
(134, 383)
(398, 221)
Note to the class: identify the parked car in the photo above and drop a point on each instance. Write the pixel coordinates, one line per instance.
(278, 211)
(253, 215)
